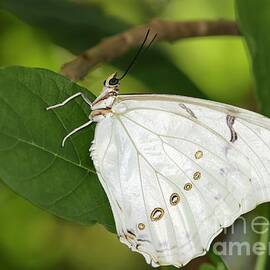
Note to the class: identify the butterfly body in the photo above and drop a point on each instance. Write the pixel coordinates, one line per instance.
(101, 106)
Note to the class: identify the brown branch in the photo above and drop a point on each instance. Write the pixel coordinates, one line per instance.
(117, 45)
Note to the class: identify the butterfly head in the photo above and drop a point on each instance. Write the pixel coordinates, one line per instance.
(108, 94)
(112, 81)
(111, 85)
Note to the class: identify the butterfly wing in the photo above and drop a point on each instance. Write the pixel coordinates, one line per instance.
(178, 170)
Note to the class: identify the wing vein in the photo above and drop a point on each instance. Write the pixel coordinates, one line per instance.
(140, 174)
(160, 137)
(178, 188)
(183, 139)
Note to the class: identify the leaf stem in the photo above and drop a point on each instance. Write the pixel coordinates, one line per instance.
(261, 262)
(216, 260)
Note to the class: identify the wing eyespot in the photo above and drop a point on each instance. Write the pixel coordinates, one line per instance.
(157, 214)
(199, 154)
(174, 199)
(188, 186)
(130, 235)
(141, 226)
(197, 175)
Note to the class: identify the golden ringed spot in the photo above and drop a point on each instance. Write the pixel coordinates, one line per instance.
(141, 226)
(188, 186)
(197, 175)
(157, 214)
(199, 154)
(174, 199)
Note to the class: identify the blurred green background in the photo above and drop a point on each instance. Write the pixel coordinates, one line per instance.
(219, 66)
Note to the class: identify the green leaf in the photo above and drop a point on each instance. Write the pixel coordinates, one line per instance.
(77, 27)
(207, 266)
(254, 21)
(216, 260)
(32, 161)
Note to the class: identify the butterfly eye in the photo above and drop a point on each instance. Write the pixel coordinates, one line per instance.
(113, 81)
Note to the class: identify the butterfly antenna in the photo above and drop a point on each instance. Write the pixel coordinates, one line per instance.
(150, 43)
(138, 53)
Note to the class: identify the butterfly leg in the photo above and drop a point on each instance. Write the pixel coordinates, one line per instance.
(76, 130)
(86, 100)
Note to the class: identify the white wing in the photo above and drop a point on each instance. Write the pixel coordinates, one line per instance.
(178, 170)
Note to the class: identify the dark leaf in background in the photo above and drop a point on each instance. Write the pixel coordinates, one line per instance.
(73, 26)
(77, 27)
(254, 21)
(33, 163)
(207, 266)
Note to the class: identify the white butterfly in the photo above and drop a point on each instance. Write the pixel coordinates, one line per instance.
(176, 170)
